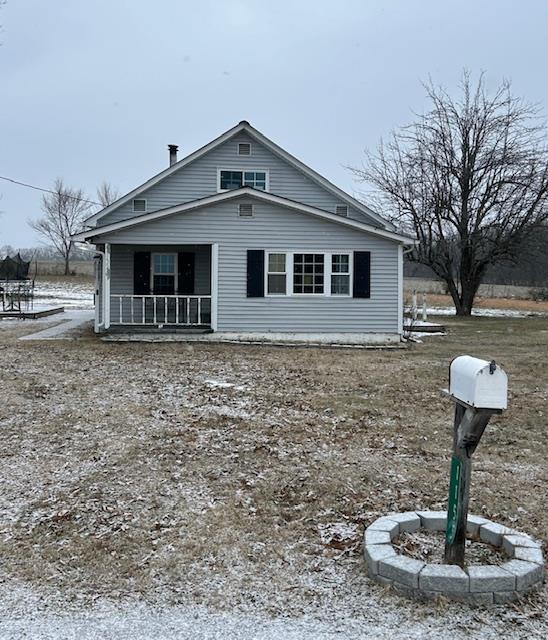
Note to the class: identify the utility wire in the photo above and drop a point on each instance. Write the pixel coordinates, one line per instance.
(31, 186)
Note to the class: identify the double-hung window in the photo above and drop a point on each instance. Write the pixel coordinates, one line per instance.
(164, 273)
(340, 274)
(229, 179)
(277, 274)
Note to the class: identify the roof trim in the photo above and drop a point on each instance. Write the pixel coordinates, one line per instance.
(231, 195)
(272, 146)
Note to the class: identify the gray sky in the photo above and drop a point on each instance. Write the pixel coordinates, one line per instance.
(94, 90)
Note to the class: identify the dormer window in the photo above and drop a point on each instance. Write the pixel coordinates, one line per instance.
(139, 205)
(341, 210)
(244, 148)
(229, 180)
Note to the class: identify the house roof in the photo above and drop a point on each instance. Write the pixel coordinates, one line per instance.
(243, 126)
(262, 196)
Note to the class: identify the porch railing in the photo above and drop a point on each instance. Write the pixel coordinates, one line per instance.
(160, 310)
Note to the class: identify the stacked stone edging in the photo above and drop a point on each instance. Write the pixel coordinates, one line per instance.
(477, 584)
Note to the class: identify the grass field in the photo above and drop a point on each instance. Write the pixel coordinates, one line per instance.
(219, 475)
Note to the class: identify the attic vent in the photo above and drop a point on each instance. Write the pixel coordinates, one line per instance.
(140, 205)
(244, 149)
(245, 210)
(341, 210)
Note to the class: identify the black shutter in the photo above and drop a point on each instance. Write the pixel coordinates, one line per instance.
(186, 272)
(141, 273)
(362, 274)
(255, 273)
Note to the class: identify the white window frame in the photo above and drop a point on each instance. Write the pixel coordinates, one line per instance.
(327, 258)
(338, 273)
(175, 274)
(244, 155)
(133, 205)
(276, 273)
(243, 170)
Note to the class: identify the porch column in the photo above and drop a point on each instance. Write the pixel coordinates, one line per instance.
(214, 284)
(106, 287)
(400, 289)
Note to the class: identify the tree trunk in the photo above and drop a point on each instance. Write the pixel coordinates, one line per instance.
(67, 265)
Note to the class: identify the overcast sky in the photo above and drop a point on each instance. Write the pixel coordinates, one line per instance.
(94, 90)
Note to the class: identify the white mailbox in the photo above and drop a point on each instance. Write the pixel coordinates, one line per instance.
(478, 383)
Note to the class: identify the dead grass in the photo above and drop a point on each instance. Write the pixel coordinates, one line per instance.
(127, 472)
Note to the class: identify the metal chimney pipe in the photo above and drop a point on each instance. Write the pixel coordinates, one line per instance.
(173, 148)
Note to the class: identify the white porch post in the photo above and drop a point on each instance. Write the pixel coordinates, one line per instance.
(214, 284)
(106, 287)
(400, 289)
(98, 301)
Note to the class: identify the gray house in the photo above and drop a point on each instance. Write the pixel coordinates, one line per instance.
(240, 236)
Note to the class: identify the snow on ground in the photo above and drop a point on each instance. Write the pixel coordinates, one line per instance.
(479, 311)
(76, 295)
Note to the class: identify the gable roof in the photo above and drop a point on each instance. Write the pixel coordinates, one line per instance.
(262, 196)
(244, 126)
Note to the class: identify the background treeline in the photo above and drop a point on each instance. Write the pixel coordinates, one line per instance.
(530, 270)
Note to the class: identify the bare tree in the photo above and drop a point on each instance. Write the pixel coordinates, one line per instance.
(470, 178)
(106, 193)
(64, 210)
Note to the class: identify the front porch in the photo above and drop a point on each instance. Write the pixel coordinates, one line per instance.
(156, 287)
(160, 310)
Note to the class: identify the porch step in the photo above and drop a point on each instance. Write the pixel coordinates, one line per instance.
(166, 329)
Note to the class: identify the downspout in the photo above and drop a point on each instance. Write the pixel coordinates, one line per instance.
(86, 246)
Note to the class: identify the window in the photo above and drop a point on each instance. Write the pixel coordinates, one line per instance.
(164, 273)
(340, 274)
(255, 179)
(244, 149)
(139, 205)
(229, 180)
(276, 274)
(341, 210)
(245, 210)
(295, 274)
(308, 273)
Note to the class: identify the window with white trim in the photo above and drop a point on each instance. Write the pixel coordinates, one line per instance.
(308, 273)
(139, 205)
(229, 180)
(164, 273)
(276, 276)
(340, 274)
(320, 273)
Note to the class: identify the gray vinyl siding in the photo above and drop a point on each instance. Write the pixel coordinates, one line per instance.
(273, 228)
(199, 179)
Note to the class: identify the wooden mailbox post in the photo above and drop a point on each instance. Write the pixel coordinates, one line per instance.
(479, 390)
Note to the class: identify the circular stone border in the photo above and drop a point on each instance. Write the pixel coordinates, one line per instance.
(477, 584)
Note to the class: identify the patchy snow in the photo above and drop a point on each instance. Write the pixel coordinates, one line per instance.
(221, 384)
(489, 313)
(76, 295)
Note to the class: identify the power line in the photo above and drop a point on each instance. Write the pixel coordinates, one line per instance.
(32, 186)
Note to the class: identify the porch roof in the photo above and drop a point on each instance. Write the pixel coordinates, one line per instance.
(262, 196)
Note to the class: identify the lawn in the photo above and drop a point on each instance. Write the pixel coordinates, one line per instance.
(219, 475)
